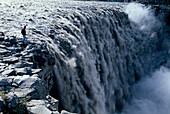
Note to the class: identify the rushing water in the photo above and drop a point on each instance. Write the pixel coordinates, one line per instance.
(101, 49)
(151, 95)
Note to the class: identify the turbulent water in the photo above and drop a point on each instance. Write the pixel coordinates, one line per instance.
(101, 49)
(151, 95)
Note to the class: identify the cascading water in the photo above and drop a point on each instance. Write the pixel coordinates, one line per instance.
(151, 94)
(100, 51)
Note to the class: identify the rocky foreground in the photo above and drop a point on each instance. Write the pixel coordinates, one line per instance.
(24, 86)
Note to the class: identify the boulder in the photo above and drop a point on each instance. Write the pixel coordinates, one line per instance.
(13, 40)
(26, 81)
(66, 112)
(7, 44)
(35, 71)
(53, 103)
(12, 99)
(4, 81)
(23, 71)
(3, 51)
(38, 107)
(10, 60)
(9, 72)
(26, 92)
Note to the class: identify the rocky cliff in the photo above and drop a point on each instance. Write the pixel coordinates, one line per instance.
(84, 54)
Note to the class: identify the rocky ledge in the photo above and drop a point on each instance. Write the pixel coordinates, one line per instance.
(26, 77)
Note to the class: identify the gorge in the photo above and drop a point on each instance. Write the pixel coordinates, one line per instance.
(90, 56)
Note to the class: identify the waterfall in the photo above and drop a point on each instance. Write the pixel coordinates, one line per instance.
(99, 53)
(103, 53)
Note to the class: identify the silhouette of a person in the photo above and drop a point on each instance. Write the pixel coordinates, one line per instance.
(23, 32)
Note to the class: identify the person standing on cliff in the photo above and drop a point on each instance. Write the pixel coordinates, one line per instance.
(23, 32)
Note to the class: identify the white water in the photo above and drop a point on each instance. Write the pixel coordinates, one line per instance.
(97, 56)
(151, 95)
(142, 15)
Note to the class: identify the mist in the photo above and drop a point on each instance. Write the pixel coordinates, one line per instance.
(151, 95)
(142, 15)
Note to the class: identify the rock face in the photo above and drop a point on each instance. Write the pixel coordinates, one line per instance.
(85, 54)
(25, 77)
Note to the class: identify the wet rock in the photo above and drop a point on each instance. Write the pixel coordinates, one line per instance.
(10, 60)
(1, 103)
(20, 71)
(66, 112)
(28, 55)
(9, 72)
(11, 48)
(2, 46)
(12, 99)
(2, 68)
(28, 64)
(35, 71)
(31, 82)
(53, 103)
(19, 49)
(13, 40)
(23, 92)
(2, 35)
(4, 81)
(24, 64)
(30, 46)
(7, 44)
(38, 107)
(3, 51)
(17, 54)
(18, 79)
(1, 38)
(40, 60)
(55, 112)
(23, 71)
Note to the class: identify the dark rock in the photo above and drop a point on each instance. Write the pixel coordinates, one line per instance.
(29, 46)
(53, 103)
(2, 36)
(40, 60)
(4, 81)
(12, 99)
(1, 103)
(13, 41)
(9, 72)
(17, 55)
(10, 60)
(3, 51)
(7, 44)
